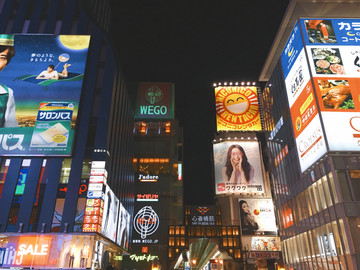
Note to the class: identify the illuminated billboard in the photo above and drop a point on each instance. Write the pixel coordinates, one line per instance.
(110, 214)
(146, 223)
(123, 231)
(309, 135)
(238, 168)
(155, 100)
(237, 108)
(46, 251)
(257, 216)
(334, 59)
(203, 215)
(41, 80)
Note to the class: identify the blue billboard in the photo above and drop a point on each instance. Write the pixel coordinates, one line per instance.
(41, 79)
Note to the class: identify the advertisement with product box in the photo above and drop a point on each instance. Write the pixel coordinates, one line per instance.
(237, 108)
(155, 100)
(257, 216)
(238, 168)
(41, 80)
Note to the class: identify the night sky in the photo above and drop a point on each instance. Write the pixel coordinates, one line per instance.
(194, 44)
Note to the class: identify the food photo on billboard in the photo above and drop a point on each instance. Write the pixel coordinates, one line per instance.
(238, 167)
(257, 216)
(41, 78)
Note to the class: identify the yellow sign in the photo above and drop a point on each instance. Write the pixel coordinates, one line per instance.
(237, 108)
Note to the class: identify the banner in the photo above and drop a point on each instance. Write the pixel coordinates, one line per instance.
(237, 108)
(40, 87)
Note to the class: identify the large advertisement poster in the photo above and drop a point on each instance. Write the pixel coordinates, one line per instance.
(155, 101)
(110, 214)
(123, 232)
(41, 79)
(334, 59)
(309, 135)
(237, 108)
(257, 216)
(238, 168)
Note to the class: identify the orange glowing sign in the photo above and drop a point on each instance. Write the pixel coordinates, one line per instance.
(237, 108)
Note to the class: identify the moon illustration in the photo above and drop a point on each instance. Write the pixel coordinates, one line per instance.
(73, 42)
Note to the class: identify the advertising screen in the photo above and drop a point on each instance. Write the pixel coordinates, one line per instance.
(309, 135)
(155, 101)
(41, 79)
(257, 216)
(335, 68)
(123, 233)
(237, 108)
(110, 214)
(238, 168)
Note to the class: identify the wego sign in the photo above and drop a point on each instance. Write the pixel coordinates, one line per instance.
(154, 100)
(237, 108)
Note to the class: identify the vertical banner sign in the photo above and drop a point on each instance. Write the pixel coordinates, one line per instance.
(334, 57)
(237, 108)
(155, 101)
(95, 198)
(40, 87)
(309, 135)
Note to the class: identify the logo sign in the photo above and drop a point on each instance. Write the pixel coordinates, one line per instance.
(97, 179)
(148, 178)
(95, 186)
(40, 89)
(147, 197)
(98, 164)
(155, 100)
(144, 257)
(203, 215)
(146, 222)
(237, 108)
(95, 195)
(98, 172)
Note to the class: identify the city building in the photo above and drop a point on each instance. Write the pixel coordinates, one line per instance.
(158, 180)
(310, 107)
(240, 231)
(66, 188)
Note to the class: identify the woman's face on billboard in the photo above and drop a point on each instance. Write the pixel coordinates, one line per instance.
(236, 155)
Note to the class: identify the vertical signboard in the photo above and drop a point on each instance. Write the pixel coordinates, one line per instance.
(238, 168)
(309, 135)
(155, 101)
(257, 216)
(334, 58)
(237, 108)
(41, 79)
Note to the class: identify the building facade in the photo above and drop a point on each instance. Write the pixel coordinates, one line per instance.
(158, 174)
(312, 140)
(52, 196)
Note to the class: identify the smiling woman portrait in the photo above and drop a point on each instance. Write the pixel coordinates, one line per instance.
(237, 169)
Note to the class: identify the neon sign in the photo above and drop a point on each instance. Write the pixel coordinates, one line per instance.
(144, 257)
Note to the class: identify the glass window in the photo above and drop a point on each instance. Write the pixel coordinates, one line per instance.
(38, 200)
(333, 189)
(18, 195)
(326, 189)
(4, 166)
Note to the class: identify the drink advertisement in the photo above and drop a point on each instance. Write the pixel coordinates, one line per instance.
(238, 168)
(257, 216)
(41, 78)
(237, 108)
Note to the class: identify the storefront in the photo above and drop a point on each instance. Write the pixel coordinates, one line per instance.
(53, 251)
